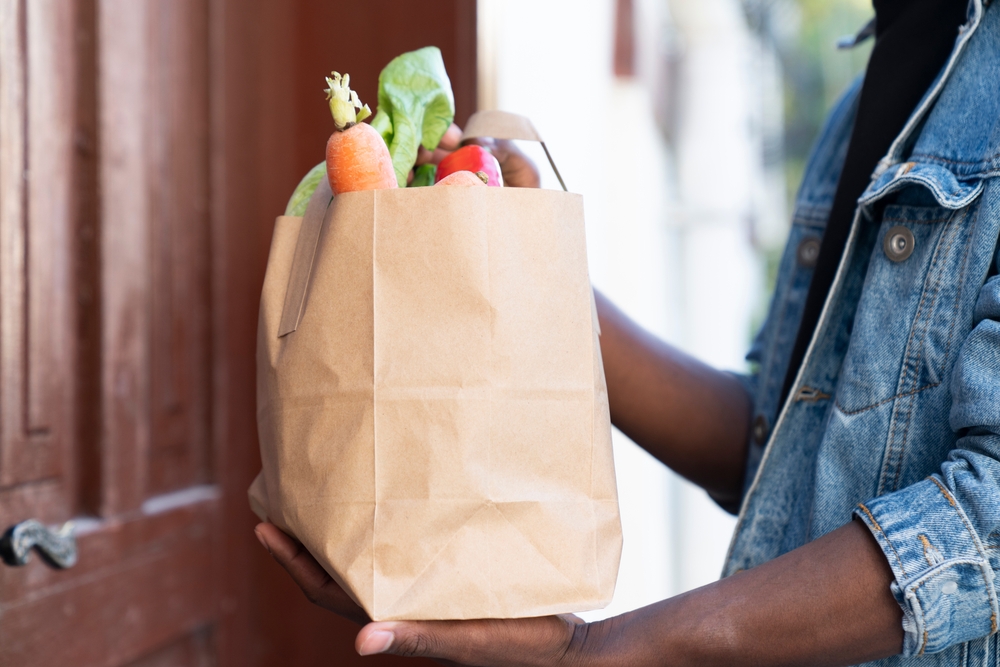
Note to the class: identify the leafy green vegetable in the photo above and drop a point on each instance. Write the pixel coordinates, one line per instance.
(424, 175)
(415, 106)
(304, 190)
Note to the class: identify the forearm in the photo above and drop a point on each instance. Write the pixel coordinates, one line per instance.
(690, 416)
(826, 603)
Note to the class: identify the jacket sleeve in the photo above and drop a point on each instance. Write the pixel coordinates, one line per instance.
(941, 536)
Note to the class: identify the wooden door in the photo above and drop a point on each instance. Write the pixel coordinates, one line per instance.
(145, 148)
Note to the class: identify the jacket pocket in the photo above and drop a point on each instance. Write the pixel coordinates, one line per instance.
(905, 330)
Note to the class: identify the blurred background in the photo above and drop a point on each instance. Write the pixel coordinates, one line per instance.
(146, 147)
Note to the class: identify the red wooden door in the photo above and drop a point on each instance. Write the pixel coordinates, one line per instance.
(145, 149)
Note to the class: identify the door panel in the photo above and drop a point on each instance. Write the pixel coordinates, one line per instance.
(146, 147)
(35, 194)
(124, 238)
(177, 156)
(139, 584)
(196, 649)
(104, 193)
(156, 245)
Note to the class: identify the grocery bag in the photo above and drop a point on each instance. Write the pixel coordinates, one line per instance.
(431, 402)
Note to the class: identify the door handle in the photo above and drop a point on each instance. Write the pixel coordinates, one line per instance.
(57, 547)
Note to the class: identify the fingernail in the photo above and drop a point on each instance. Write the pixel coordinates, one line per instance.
(377, 642)
(260, 538)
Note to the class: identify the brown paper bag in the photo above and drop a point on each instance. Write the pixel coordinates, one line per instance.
(432, 408)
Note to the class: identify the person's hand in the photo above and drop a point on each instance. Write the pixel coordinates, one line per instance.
(318, 586)
(517, 168)
(450, 142)
(547, 640)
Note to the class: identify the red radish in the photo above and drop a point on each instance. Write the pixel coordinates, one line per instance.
(471, 158)
(356, 155)
(464, 178)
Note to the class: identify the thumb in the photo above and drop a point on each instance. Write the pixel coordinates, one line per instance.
(483, 643)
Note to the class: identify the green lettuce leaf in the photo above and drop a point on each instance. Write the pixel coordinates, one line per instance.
(304, 190)
(415, 106)
(424, 175)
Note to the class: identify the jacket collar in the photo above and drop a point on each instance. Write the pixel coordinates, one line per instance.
(933, 141)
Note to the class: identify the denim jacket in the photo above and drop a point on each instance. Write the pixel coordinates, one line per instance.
(894, 416)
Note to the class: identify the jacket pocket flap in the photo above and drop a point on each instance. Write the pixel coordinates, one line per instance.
(947, 189)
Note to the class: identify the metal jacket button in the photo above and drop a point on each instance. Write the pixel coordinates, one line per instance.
(760, 430)
(898, 243)
(808, 252)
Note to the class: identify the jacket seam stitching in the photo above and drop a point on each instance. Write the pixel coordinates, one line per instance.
(930, 573)
(961, 515)
(923, 323)
(891, 453)
(875, 523)
(896, 453)
(813, 221)
(937, 158)
(847, 412)
(961, 290)
(768, 372)
(932, 292)
(933, 221)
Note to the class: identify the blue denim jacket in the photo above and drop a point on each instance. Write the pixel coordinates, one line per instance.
(894, 416)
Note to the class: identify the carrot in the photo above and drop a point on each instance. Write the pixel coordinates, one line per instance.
(356, 155)
(464, 178)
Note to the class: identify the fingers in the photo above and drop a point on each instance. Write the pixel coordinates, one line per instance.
(486, 142)
(485, 643)
(519, 170)
(451, 139)
(425, 156)
(317, 585)
(449, 142)
(292, 556)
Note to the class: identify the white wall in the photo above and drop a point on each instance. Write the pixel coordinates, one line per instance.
(668, 226)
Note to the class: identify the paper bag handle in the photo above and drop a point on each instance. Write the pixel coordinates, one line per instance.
(305, 254)
(496, 124)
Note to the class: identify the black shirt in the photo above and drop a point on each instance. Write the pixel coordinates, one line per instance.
(913, 39)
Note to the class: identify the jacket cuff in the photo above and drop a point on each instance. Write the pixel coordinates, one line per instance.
(944, 582)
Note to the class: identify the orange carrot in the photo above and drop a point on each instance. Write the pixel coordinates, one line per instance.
(356, 155)
(464, 178)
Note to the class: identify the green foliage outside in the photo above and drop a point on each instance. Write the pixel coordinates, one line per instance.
(815, 73)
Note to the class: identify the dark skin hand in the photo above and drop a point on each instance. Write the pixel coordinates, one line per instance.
(825, 603)
(518, 170)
